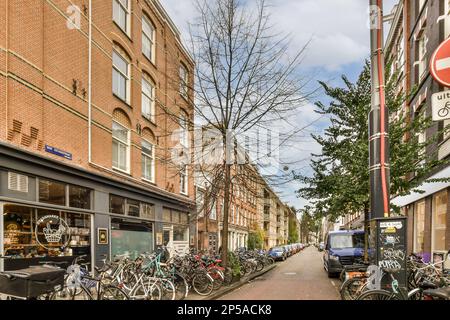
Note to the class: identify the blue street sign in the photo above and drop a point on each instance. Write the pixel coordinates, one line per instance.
(58, 152)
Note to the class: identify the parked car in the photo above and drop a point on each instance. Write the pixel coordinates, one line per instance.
(321, 246)
(342, 248)
(278, 253)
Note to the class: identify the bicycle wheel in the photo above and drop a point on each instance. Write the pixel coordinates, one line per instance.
(149, 290)
(259, 266)
(113, 293)
(202, 284)
(181, 287)
(217, 277)
(66, 293)
(168, 291)
(351, 288)
(377, 295)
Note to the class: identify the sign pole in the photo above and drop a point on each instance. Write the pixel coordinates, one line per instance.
(378, 118)
(387, 235)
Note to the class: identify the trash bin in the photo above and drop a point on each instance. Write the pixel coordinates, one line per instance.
(31, 282)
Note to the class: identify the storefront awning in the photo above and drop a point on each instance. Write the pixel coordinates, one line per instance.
(428, 188)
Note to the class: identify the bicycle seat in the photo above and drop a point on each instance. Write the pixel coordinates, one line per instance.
(441, 293)
(391, 270)
(427, 285)
(57, 263)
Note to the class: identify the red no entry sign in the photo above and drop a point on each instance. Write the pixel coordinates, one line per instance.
(440, 63)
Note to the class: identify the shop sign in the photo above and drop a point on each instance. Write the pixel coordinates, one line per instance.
(440, 63)
(52, 232)
(440, 104)
(102, 236)
(58, 152)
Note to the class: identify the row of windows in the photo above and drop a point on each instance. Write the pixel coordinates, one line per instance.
(121, 84)
(121, 64)
(121, 152)
(121, 156)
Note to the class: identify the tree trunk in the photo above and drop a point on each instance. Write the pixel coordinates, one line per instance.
(226, 209)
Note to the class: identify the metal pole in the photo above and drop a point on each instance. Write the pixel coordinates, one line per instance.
(378, 119)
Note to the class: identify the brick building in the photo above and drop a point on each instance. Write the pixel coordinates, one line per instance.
(416, 30)
(91, 93)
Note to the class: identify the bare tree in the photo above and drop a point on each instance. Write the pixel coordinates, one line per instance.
(245, 79)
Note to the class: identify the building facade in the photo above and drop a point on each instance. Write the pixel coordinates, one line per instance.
(90, 94)
(416, 30)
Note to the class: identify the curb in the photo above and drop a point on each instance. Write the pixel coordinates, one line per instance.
(238, 284)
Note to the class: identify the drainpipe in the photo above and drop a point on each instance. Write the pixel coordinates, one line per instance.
(7, 65)
(90, 86)
(378, 119)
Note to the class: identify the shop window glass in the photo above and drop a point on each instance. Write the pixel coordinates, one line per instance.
(79, 197)
(52, 192)
(117, 205)
(419, 227)
(131, 239)
(439, 221)
(133, 208)
(148, 211)
(32, 235)
(184, 218)
(166, 215)
(180, 233)
(175, 216)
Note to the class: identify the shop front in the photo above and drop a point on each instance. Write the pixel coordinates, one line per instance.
(76, 212)
(56, 227)
(428, 219)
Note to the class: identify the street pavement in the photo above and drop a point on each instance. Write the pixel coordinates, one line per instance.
(300, 277)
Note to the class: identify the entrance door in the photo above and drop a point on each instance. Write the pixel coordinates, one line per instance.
(167, 236)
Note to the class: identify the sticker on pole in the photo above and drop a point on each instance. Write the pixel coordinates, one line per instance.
(440, 63)
(440, 104)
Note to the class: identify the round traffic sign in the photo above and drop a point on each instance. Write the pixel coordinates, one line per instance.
(440, 63)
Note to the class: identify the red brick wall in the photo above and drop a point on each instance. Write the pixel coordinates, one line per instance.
(46, 57)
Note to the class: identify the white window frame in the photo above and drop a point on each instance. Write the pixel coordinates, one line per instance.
(184, 130)
(126, 76)
(184, 173)
(422, 55)
(200, 202)
(150, 115)
(127, 10)
(184, 81)
(433, 224)
(126, 144)
(416, 215)
(151, 38)
(151, 157)
(213, 214)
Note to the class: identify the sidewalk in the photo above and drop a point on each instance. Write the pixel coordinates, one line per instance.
(226, 289)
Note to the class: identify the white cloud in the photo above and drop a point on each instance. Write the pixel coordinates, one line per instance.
(338, 28)
(340, 39)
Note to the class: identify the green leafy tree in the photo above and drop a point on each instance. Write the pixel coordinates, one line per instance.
(339, 183)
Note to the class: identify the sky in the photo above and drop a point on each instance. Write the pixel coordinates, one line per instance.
(339, 46)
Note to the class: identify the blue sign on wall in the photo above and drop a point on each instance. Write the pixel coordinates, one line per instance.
(58, 152)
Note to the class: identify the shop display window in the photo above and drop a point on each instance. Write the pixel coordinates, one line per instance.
(131, 238)
(439, 221)
(419, 226)
(180, 233)
(37, 233)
